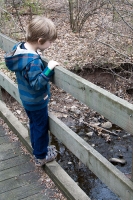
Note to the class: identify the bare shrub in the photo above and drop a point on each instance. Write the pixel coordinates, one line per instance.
(115, 30)
(80, 11)
(11, 16)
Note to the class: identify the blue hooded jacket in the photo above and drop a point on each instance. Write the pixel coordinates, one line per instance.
(32, 77)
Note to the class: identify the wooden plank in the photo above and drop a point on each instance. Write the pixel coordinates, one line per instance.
(64, 182)
(6, 43)
(12, 162)
(10, 153)
(6, 147)
(22, 192)
(4, 139)
(20, 131)
(99, 165)
(9, 86)
(16, 171)
(2, 132)
(21, 180)
(40, 196)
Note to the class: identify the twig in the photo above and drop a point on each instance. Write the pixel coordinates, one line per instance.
(116, 34)
(119, 75)
(102, 129)
(120, 15)
(112, 48)
(59, 111)
(19, 19)
(11, 16)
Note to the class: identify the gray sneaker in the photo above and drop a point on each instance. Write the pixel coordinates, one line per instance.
(51, 155)
(52, 148)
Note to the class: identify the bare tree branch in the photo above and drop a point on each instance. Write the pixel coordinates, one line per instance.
(120, 15)
(21, 25)
(11, 16)
(116, 34)
(126, 56)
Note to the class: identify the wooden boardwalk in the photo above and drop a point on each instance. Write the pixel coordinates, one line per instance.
(19, 178)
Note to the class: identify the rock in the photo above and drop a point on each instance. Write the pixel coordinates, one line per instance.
(62, 149)
(107, 125)
(81, 133)
(95, 124)
(69, 100)
(95, 119)
(78, 112)
(116, 161)
(18, 111)
(125, 136)
(81, 119)
(90, 134)
(128, 175)
(120, 156)
(86, 139)
(53, 103)
(64, 115)
(73, 108)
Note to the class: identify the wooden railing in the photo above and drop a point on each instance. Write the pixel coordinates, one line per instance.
(115, 109)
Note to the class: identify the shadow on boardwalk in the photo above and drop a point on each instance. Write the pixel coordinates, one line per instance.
(19, 178)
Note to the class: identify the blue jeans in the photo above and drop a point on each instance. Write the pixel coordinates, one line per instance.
(39, 131)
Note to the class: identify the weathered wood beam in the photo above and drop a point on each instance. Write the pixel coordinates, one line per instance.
(9, 86)
(6, 43)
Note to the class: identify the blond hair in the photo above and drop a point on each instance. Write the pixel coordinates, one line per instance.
(41, 27)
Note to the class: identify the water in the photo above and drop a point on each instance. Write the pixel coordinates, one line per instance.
(88, 182)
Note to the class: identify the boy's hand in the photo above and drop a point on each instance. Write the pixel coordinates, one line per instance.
(52, 64)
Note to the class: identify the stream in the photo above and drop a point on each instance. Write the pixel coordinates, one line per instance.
(120, 146)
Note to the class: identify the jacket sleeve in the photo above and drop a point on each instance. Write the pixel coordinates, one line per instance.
(36, 76)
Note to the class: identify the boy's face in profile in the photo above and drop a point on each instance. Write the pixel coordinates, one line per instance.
(44, 46)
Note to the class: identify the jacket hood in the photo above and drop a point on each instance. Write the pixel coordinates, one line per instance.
(18, 58)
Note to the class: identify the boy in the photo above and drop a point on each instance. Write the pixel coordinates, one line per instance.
(32, 78)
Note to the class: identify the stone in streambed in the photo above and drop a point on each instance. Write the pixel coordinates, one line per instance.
(116, 161)
(107, 125)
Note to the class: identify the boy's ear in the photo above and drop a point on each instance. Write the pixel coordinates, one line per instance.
(39, 40)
